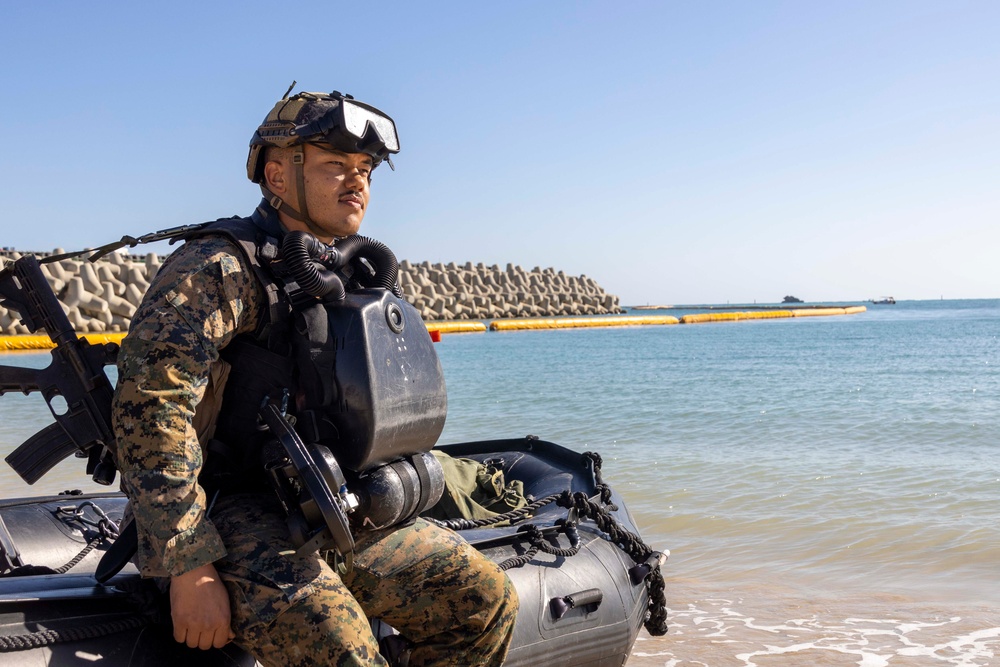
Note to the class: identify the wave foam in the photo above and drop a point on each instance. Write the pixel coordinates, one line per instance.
(890, 632)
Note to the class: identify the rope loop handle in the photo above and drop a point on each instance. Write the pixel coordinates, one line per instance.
(106, 529)
(582, 506)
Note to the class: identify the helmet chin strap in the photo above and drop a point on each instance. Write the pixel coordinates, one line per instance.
(279, 204)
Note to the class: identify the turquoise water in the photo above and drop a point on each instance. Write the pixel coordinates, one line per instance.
(829, 487)
(837, 448)
(811, 471)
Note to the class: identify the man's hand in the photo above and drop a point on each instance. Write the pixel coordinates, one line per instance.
(199, 607)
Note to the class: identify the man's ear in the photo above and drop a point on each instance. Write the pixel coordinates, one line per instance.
(275, 177)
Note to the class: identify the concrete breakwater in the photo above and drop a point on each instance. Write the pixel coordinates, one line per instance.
(97, 296)
(102, 296)
(453, 292)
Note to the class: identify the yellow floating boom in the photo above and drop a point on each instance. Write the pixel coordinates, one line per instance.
(814, 312)
(35, 342)
(698, 318)
(453, 326)
(577, 322)
(12, 343)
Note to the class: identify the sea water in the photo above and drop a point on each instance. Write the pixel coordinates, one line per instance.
(828, 487)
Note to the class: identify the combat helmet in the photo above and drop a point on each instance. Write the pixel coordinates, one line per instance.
(332, 120)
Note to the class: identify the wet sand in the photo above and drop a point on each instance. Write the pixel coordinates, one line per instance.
(754, 625)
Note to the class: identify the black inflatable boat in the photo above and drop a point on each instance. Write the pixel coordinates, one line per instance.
(584, 597)
(587, 583)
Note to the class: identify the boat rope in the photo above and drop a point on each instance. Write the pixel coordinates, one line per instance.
(512, 516)
(105, 527)
(536, 538)
(30, 640)
(647, 561)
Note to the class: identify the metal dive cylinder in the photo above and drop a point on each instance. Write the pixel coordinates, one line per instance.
(397, 492)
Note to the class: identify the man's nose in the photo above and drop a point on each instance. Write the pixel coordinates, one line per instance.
(355, 175)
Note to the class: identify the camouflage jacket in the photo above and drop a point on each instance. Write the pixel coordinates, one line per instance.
(203, 296)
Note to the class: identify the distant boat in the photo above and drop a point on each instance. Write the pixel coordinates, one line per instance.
(791, 299)
(884, 300)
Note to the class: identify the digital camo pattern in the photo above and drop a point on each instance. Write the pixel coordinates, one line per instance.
(287, 610)
(202, 296)
(455, 605)
(452, 604)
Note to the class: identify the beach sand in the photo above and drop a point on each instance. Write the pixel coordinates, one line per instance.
(774, 626)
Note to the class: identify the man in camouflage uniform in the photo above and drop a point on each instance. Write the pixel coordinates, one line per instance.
(231, 566)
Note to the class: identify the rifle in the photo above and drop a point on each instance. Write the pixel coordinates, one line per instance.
(76, 374)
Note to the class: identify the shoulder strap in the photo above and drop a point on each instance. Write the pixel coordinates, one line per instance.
(259, 249)
(173, 234)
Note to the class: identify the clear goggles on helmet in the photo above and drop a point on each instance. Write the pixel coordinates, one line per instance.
(354, 124)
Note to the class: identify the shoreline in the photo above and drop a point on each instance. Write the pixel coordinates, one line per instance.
(769, 624)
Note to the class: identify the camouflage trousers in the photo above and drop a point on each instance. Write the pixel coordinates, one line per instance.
(452, 605)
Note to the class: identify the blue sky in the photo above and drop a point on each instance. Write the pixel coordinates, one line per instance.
(695, 152)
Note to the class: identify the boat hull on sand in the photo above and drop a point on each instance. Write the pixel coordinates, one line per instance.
(584, 588)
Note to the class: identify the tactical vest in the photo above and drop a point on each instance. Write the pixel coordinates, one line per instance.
(358, 375)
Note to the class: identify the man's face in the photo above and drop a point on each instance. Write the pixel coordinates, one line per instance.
(336, 185)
